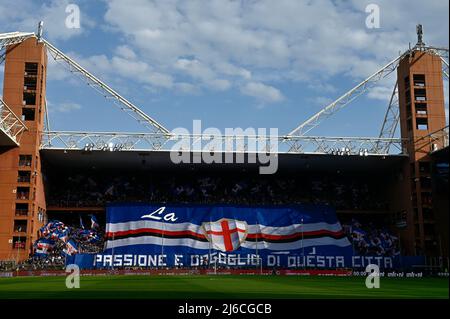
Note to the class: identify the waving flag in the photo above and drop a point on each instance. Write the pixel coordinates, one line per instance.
(81, 223)
(226, 234)
(93, 237)
(358, 232)
(43, 246)
(71, 248)
(94, 222)
(64, 235)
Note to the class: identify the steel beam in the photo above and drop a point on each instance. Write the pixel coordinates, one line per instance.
(229, 143)
(106, 90)
(11, 38)
(345, 99)
(10, 123)
(363, 87)
(392, 116)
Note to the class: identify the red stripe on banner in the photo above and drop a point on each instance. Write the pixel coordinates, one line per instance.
(232, 231)
(323, 232)
(226, 235)
(228, 231)
(153, 230)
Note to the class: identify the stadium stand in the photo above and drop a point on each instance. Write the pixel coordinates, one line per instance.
(85, 190)
(371, 240)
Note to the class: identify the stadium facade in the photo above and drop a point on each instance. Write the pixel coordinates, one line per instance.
(412, 182)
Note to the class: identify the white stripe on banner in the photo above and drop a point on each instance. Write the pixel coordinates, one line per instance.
(252, 229)
(150, 240)
(311, 242)
(192, 243)
(110, 227)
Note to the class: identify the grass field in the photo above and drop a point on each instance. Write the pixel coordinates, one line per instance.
(227, 287)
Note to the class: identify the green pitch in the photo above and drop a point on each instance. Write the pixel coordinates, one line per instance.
(174, 287)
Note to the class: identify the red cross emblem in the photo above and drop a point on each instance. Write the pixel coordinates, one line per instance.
(226, 234)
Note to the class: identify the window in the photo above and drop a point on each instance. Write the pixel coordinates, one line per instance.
(21, 209)
(426, 198)
(29, 84)
(420, 94)
(28, 114)
(29, 98)
(422, 124)
(20, 226)
(421, 108)
(19, 242)
(31, 68)
(419, 80)
(24, 177)
(25, 160)
(23, 193)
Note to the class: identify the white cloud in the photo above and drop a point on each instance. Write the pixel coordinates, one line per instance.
(229, 69)
(65, 107)
(262, 92)
(262, 41)
(159, 79)
(187, 88)
(195, 69)
(232, 44)
(321, 101)
(381, 93)
(220, 84)
(107, 69)
(126, 52)
(22, 15)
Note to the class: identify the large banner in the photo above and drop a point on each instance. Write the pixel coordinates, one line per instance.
(188, 236)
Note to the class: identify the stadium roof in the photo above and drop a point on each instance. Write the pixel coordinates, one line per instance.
(160, 160)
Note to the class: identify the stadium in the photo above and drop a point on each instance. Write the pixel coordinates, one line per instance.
(119, 206)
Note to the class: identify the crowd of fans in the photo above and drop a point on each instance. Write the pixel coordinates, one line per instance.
(58, 239)
(83, 190)
(92, 190)
(371, 240)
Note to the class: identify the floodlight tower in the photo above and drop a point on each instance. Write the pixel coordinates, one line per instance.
(22, 200)
(422, 112)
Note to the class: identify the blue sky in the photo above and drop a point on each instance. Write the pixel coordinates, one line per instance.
(242, 64)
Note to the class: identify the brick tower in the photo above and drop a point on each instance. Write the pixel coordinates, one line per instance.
(22, 201)
(422, 112)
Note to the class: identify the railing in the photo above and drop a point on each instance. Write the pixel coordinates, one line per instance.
(23, 196)
(21, 212)
(92, 141)
(23, 179)
(25, 163)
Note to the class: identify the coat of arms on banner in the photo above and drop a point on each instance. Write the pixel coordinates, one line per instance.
(226, 234)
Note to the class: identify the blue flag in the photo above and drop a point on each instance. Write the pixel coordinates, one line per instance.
(94, 222)
(81, 223)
